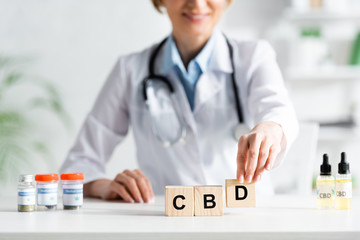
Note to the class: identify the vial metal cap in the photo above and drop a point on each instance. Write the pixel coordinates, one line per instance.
(26, 178)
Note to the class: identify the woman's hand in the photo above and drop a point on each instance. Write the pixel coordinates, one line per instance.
(258, 150)
(130, 186)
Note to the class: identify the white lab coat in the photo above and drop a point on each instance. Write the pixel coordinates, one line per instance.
(209, 154)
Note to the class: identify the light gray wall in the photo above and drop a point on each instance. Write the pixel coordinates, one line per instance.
(74, 44)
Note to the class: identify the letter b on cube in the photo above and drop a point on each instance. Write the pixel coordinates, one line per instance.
(208, 201)
(179, 201)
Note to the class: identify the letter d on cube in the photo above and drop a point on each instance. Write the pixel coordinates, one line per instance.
(240, 194)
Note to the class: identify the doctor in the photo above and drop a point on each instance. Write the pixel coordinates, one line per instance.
(185, 99)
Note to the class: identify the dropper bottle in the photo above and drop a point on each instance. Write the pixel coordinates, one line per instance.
(325, 186)
(343, 185)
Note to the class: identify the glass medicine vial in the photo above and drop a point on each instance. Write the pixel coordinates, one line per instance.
(26, 193)
(72, 185)
(343, 185)
(325, 186)
(47, 189)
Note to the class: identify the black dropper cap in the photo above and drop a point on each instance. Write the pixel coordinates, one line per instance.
(344, 167)
(325, 168)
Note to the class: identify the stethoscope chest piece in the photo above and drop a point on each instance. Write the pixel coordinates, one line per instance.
(240, 130)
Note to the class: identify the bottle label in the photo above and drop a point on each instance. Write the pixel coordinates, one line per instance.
(325, 189)
(26, 196)
(47, 194)
(73, 194)
(344, 188)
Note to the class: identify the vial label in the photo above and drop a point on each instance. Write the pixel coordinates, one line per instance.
(325, 189)
(47, 194)
(72, 194)
(26, 196)
(344, 188)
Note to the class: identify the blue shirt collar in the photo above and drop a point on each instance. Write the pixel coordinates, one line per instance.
(172, 56)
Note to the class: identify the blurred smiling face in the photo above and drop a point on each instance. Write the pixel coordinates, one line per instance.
(194, 18)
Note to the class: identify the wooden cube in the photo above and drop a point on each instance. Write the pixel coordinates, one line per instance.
(179, 201)
(208, 200)
(240, 194)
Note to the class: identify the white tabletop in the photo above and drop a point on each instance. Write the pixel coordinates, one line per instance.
(278, 217)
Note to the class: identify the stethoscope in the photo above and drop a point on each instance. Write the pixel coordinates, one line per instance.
(149, 81)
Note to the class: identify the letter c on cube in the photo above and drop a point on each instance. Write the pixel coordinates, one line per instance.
(179, 201)
(174, 202)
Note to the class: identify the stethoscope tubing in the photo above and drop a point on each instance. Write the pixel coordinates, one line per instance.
(233, 77)
(166, 81)
(153, 76)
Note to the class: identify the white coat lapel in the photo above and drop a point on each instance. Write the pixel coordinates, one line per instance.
(183, 102)
(166, 69)
(211, 82)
